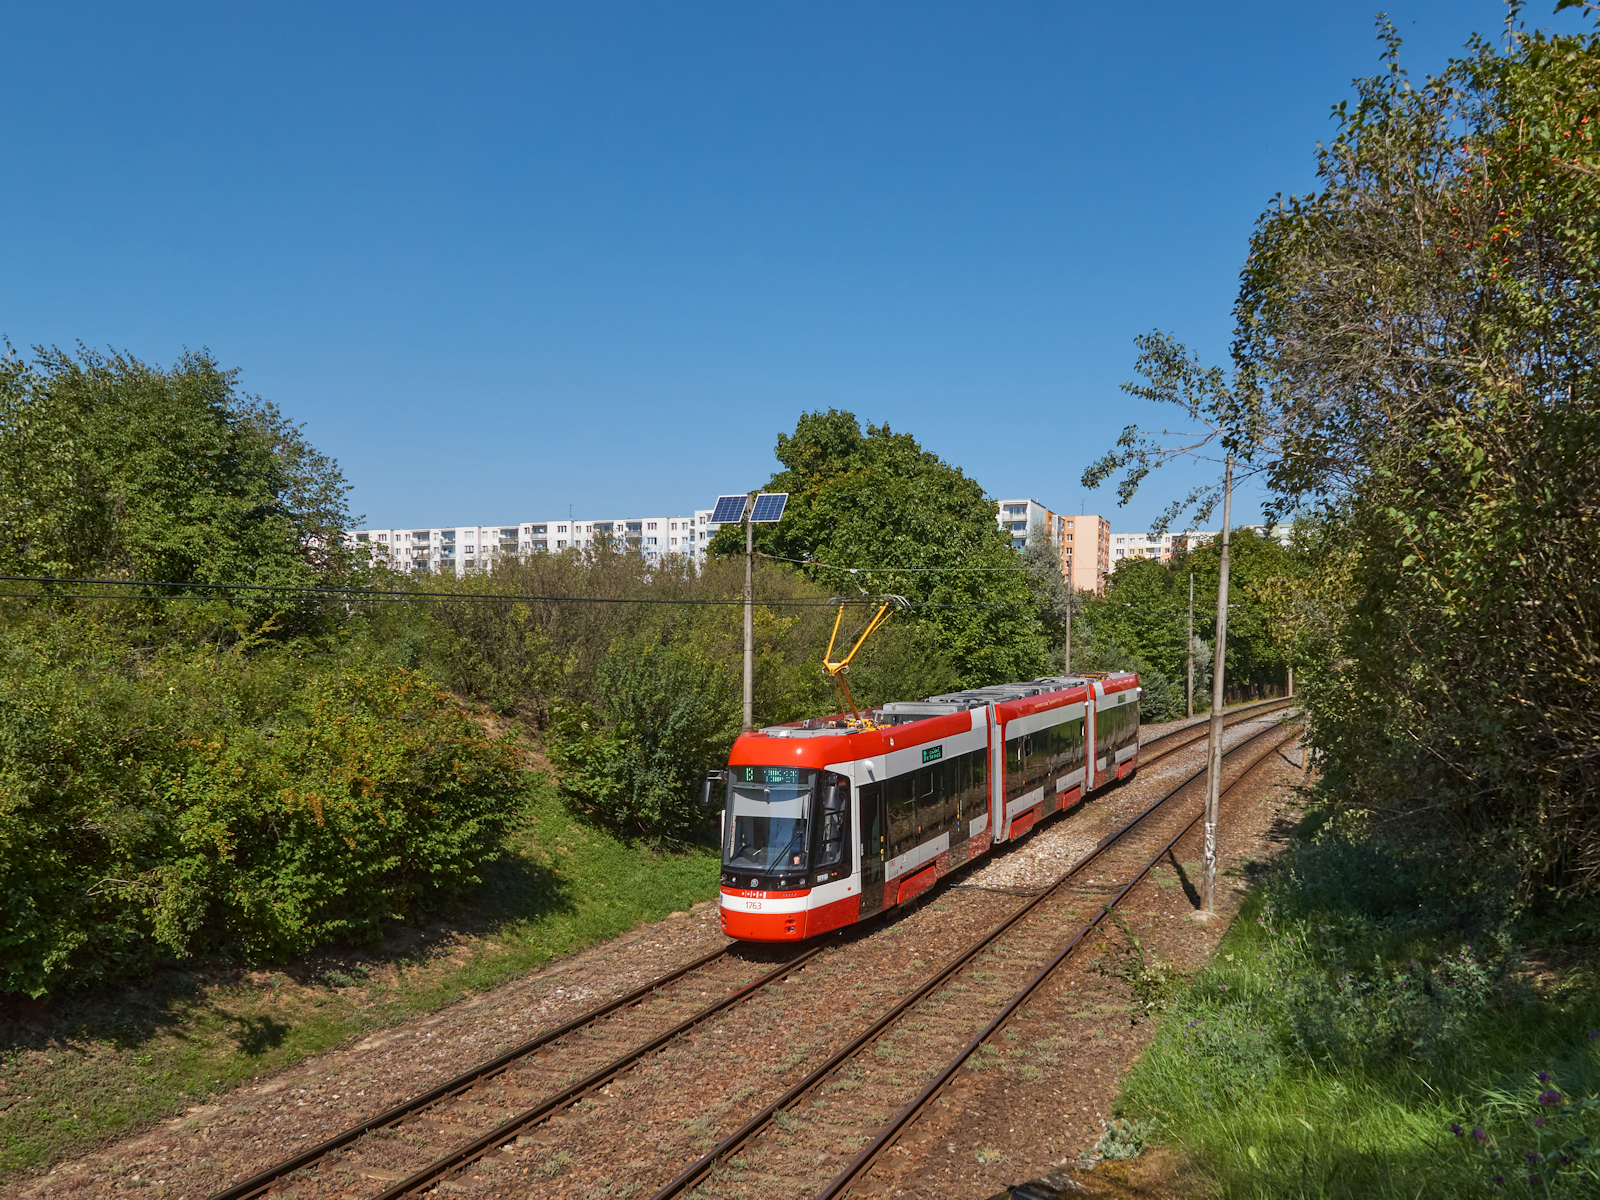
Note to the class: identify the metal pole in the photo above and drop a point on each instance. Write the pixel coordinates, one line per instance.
(1208, 863)
(1189, 691)
(749, 619)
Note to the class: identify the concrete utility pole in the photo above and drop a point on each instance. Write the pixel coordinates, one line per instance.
(749, 613)
(1189, 693)
(1066, 653)
(1208, 864)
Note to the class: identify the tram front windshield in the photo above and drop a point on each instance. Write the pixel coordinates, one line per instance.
(769, 810)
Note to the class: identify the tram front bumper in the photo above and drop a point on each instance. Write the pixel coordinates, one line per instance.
(754, 916)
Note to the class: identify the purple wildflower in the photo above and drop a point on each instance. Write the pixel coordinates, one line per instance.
(1499, 1179)
(1594, 1033)
(1534, 1181)
(1479, 1136)
(1457, 1130)
(1547, 1098)
(1532, 1156)
(1543, 1076)
(1539, 1122)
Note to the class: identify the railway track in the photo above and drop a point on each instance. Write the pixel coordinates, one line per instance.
(1193, 731)
(487, 1106)
(846, 1065)
(902, 1120)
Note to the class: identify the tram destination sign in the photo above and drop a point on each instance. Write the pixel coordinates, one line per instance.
(933, 753)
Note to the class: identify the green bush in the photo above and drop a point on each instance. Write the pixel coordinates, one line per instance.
(377, 796)
(668, 714)
(154, 807)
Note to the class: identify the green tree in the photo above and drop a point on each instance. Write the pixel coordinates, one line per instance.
(876, 503)
(1418, 337)
(110, 467)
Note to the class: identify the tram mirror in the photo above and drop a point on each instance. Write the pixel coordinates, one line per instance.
(712, 780)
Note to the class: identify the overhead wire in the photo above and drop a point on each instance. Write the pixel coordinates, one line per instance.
(396, 595)
(807, 562)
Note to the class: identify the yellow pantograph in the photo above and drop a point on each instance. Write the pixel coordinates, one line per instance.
(837, 668)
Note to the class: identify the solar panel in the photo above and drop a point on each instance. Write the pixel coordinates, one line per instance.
(769, 507)
(729, 508)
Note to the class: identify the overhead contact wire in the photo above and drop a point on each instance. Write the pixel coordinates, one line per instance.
(397, 594)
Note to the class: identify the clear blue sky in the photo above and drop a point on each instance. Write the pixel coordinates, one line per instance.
(501, 259)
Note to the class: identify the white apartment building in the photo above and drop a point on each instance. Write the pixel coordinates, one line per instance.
(1017, 518)
(1126, 546)
(462, 548)
(1161, 547)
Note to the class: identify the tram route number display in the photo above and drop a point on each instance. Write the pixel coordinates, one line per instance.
(769, 775)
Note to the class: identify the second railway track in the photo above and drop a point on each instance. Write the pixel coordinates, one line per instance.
(472, 1116)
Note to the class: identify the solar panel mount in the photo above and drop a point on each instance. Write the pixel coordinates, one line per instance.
(729, 509)
(769, 508)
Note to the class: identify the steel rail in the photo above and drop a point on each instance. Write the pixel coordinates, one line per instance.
(503, 1132)
(264, 1179)
(1230, 715)
(697, 1170)
(869, 1153)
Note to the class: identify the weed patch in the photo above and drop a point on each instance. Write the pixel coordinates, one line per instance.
(1367, 1029)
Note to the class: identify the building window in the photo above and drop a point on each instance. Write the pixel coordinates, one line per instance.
(635, 527)
(650, 541)
(650, 525)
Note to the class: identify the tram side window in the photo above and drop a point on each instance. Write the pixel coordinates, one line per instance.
(1129, 732)
(945, 794)
(976, 801)
(1066, 748)
(900, 800)
(1109, 724)
(1016, 766)
(834, 824)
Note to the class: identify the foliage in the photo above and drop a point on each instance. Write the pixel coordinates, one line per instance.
(96, 1064)
(1209, 400)
(254, 803)
(1550, 1145)
(1122, 1139)
(1149, 981)
(1141, 621)
(876, 504)
(113, 468)
(1365, 1004)
(1418, 339)
(1056, 599)
(670, 713)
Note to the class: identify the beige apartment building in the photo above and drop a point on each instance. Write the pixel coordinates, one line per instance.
(1082, 540)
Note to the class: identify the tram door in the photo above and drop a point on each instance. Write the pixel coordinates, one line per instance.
(874, 844)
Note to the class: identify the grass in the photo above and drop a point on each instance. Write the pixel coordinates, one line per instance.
(90, 1068)
(1339, 1034)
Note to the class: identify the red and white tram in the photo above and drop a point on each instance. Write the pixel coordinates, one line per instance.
(826, 824)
